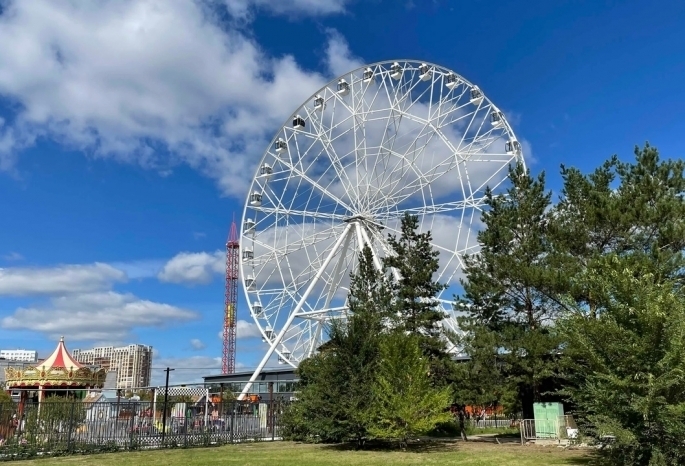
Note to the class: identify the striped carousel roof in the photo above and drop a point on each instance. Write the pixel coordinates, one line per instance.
(60, 358)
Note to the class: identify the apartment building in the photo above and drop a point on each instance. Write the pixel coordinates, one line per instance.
(19, 355)
(133, 363)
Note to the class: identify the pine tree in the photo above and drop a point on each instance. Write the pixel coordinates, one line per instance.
(406, 404)
(506, 288)
(414, 290)
(333, 395)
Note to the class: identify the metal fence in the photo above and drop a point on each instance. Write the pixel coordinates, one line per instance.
(561, 428)
(69, 427)
(493, 423)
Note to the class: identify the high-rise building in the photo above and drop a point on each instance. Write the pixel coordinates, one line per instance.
(133, 363)
(19, 355)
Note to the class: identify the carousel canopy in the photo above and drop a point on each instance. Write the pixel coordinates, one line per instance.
(59, 370)
(60, 358)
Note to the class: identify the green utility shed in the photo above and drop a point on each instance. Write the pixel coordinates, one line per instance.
(547, 416)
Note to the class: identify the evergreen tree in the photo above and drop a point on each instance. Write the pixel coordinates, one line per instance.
(414, 290)
(629, 363)
(507, 286)
(620, 208)
(406, 404)
(333, 395)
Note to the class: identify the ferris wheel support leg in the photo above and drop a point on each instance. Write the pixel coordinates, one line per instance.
(294, 314)
(387, 251)
(376, 260)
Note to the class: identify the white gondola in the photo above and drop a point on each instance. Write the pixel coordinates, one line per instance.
(319, 104)
(248, 254)
(298, 122)
(248, 226)
(476, 95)
(343, 87)
(280, 146)
(257, 309)
(256, 199)
(368, 75)
(425, 71)
(269, 333)
(250, 283)
(451, 81)
(265, 171)
(284, 358)
(396, 71)
(497, 119)
(512, 147)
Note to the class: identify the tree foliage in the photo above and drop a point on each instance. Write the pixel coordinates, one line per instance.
(587, 294)
(629, 361)
(406, 404)
(334, 388)
(506, 298)
(376, 377)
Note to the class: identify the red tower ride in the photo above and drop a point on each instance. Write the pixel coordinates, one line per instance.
(231, 302)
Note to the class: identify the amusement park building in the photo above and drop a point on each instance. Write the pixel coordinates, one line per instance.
(276, 383)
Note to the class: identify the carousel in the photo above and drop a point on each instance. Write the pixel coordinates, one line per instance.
(57, 375)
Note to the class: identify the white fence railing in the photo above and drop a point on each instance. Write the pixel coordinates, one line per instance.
(497, 423)
(564, 427)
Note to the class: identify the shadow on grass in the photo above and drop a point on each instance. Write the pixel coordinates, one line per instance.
(426, 446)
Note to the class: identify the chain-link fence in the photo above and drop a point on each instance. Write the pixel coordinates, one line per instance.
(57, 427)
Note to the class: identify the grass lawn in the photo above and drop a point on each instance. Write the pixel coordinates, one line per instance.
(287, 454)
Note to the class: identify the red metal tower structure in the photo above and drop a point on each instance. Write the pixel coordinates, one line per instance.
(231, 300)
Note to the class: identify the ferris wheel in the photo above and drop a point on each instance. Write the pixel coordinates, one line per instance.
(378, 142)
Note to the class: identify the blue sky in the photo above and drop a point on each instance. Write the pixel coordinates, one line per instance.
(129, 130)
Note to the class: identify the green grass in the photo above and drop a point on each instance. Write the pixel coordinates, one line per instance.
(294, 454)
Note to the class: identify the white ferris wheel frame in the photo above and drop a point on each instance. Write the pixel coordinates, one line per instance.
(362, 208)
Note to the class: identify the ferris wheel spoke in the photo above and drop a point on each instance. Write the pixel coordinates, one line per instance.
(314, 184)
(305, 214)
(433, 209)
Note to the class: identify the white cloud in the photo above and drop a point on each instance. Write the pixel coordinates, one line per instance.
(242, 8)
(244, 329)
(121, 79)
(13, 256)
(186, 370)
(197, 344)
(58, 280)
(96, 316)
(340, 58)
(193, 267)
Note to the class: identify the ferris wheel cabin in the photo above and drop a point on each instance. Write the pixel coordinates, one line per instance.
(396, 71)
(249, 226)
(319, 103)
(476, 95)
(280, 146)
(512, 147)
(425, 72)
(256, 199)
(451, 81)
(298, 122)
(368, 75)
(343, 87)
(250, 282)
(497, 119)
(265, 171)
